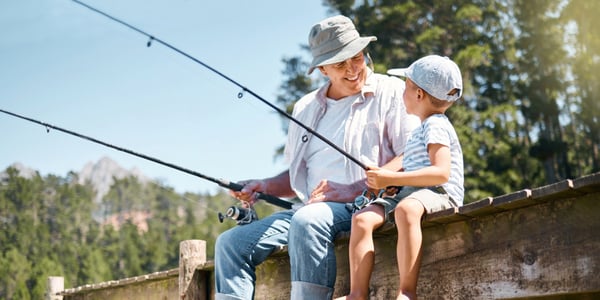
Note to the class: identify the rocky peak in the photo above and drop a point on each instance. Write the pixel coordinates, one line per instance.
(101, 173)
(23, 170)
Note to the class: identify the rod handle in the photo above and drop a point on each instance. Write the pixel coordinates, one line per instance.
(269, 198)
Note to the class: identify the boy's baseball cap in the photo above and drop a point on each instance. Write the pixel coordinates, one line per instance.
(437, 75)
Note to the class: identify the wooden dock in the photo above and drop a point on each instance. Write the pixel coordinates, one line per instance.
(539, 243)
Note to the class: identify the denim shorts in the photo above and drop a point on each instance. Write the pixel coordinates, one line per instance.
(433, 199)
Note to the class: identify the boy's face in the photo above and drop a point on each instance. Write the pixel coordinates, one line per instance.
(410, 96)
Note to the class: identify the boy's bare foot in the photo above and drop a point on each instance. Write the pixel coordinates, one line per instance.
(404, 296)
(350, 297)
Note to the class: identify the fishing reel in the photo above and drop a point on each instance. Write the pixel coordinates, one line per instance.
(242, 215)
(363, 200)
(368, 196)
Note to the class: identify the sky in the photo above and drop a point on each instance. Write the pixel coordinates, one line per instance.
(65, 65)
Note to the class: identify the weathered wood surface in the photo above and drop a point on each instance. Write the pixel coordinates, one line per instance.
(530, 244)
(540, 250)
(156, 286)
(192, 256)
(543, 242)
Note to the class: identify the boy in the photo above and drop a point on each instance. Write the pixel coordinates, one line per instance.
(432, 178)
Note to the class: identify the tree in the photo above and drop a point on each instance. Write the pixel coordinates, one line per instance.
(40, 271)
(582, 105)
(522, 123)
(541, 71)
(15, 273)
(470, 32)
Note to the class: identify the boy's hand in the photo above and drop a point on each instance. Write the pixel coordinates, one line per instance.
(378, 178)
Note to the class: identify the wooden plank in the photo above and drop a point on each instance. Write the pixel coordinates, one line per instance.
(445, 216)
(514, 200)
(273, 279)
(479, 208)
(588, 184)
(561, 189)
(130, 288)
(143, 279)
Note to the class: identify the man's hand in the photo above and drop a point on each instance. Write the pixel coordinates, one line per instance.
(335, 192)
(248, 194)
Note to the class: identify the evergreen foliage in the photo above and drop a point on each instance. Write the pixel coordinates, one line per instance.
(530, 111)
(48, 228)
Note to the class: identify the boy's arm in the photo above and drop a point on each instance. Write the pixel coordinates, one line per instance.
(436, 174)
(395, 164)
(336, 192)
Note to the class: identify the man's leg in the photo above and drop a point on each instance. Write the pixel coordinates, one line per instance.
(240, 249)
(313, 230)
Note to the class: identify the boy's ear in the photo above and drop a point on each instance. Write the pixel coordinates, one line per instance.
(420, 93)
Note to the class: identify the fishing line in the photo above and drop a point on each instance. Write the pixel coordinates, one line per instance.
(221, 182)
(152, 38)
(202, 204)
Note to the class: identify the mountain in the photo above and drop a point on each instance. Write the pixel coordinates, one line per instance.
(23, 170)
(101, 174)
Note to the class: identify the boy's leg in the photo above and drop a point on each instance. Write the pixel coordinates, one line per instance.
(408, 215)
(240, 249)
(313, 230)
(362, 249)
(414, 204)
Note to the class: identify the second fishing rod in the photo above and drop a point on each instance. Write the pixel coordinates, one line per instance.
(243, 215)
(152, 38)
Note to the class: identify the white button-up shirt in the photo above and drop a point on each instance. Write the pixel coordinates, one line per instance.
(376, 130)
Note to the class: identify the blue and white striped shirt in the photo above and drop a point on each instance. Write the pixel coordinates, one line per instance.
(437, 129)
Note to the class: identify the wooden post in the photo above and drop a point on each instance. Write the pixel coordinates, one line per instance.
(55, 285)
(192, 253)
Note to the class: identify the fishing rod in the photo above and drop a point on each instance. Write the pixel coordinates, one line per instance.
(221, 182)
(153, 38)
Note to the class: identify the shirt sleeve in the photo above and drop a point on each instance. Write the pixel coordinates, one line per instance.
(291, 141)
(436, 131)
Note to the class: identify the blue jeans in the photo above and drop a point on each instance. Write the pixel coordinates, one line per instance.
(309, 233)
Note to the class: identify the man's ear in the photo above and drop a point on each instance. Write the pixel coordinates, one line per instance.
(322, 70)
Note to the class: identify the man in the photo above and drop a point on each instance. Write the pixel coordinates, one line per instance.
(360, 112)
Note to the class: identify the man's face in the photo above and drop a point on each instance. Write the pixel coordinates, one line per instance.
(347, 77)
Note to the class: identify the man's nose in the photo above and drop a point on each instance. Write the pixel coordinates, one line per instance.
(350, 66)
